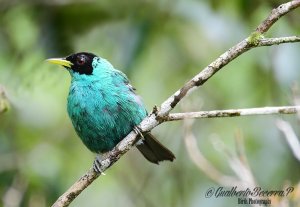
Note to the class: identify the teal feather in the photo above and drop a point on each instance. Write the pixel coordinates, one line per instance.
(101, 106)
(104, 107)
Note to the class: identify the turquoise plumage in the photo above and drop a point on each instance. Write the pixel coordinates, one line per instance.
(104, 107)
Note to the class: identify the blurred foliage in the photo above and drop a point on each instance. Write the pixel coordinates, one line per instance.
(159, 45)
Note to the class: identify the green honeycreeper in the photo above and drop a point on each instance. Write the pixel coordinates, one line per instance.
(104, 107)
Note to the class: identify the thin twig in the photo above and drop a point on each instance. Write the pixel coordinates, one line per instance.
(156, 117)
(238, 163)
(241, 170)
(290, 136)
(233, 113)
(276, 14)
(278, 40)
(247, 175)
(201, 162)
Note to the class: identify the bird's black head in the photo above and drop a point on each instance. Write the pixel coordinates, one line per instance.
(81, 62)
(78, 62)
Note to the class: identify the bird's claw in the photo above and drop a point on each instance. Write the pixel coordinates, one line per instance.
(97, 165)
(138, 131)
(137, 139)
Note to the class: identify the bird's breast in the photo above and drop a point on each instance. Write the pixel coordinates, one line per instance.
(102, 116)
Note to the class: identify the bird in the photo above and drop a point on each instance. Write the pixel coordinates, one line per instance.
(104, 107)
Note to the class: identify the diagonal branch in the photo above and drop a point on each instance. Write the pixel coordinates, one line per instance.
(276, 14)
(290, 136)
(157, 117)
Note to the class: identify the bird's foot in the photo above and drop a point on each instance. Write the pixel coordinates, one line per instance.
(138, 131)
(97, 165)
(138, 141)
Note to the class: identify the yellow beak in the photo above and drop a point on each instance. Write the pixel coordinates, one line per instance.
(60, 61)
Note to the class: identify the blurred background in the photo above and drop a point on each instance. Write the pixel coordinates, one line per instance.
(159, 45)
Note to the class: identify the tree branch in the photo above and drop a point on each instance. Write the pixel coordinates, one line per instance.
(157, 117)
(276, 14)
(278, 40)
(233, 113)
(76, 188)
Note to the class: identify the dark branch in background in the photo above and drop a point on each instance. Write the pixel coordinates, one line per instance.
(159, 114)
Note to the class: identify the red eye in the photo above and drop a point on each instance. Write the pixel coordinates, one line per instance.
(81, 60)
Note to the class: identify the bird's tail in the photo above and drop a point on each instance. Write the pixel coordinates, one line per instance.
(153, 150)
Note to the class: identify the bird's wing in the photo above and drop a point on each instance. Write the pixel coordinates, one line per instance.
(121, 77)
(126, 81)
